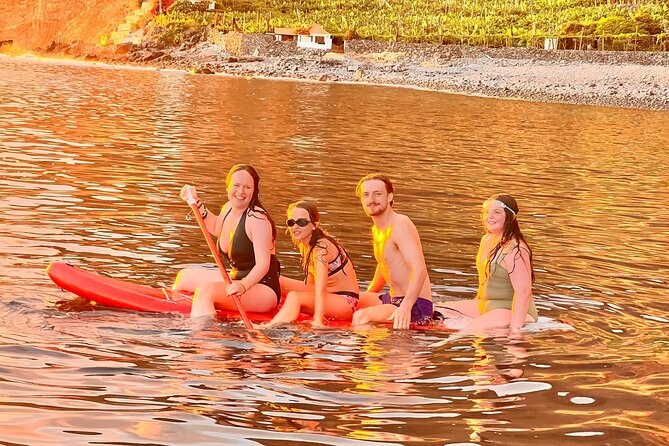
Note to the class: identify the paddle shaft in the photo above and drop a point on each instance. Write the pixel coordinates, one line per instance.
(219, 262)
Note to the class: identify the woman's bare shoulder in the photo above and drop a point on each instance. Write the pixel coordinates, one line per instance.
(487, 241)
(515, 245)
(325, 247)
(258, 224)
(259, 215)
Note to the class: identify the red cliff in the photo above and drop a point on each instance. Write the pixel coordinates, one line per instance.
(36, 23)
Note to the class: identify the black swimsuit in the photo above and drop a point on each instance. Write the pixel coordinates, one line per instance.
(242, 258)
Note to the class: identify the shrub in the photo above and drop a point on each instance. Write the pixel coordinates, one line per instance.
(186, 7)
(615, 26)
(647, 24)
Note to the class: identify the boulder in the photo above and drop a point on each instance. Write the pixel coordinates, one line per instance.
(123, 48)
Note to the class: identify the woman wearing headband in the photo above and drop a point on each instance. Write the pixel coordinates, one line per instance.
(330, 288)
(504, 265)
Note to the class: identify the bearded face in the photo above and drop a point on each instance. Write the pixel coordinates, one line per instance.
(374, 197)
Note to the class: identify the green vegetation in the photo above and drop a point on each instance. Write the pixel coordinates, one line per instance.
(576, 23)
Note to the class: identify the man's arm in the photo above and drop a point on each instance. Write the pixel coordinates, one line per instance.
(378, 282)
(408, 242)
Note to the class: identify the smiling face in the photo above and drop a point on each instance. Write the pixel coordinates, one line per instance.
(494, 217)
(298, 233)
(374, 197)
(240, 189)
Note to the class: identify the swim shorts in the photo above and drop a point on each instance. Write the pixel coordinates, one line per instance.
(421, 312)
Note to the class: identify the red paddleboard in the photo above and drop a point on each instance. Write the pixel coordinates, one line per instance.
(115, 293)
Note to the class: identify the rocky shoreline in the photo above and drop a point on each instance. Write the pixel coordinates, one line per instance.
(603, 78)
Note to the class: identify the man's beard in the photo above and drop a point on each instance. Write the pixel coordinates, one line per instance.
(379, 211)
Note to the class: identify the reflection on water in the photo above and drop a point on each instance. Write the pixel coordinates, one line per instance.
(91, 162)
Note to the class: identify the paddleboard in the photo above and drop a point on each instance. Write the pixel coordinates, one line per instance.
(116, 293)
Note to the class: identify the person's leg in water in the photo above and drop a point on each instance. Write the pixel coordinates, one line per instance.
(212, 295)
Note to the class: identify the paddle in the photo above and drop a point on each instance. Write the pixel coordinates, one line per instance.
(217, 257)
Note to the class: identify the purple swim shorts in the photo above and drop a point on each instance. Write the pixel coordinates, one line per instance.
(421, 312)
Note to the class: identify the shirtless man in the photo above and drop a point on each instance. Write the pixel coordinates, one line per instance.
(401, 264)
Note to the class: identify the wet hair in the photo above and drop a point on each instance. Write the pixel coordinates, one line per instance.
(375, 176)
(316, 236)
(255, 204)
(511, 231)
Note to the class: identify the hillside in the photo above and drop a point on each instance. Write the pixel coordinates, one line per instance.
(619, 25)
(615, 25)
(36, 23)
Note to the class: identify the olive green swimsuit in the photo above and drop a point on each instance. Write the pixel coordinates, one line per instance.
(497, 291)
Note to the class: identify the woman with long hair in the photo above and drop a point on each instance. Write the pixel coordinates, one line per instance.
(505, 270)
(330, 287)
(246, 235)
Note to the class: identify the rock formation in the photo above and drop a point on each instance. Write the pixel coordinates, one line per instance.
(34, 24)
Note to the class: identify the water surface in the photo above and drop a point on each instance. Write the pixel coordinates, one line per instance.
(91, 162)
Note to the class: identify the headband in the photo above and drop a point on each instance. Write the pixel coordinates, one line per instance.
(506, 207)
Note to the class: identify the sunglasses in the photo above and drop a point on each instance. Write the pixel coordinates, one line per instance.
(301, 222)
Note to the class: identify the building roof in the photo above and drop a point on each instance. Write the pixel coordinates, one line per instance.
(317, 30)
(285, 31)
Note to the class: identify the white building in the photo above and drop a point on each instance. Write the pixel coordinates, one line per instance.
(284, 34)
(315, 37)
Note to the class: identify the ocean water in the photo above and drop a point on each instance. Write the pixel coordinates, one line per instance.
(91, 162)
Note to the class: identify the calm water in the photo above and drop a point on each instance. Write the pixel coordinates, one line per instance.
(91, 163)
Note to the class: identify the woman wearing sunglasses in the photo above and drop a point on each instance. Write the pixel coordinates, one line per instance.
(330, 288)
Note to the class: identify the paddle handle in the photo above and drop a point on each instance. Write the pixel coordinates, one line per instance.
(217, 257)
